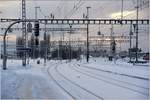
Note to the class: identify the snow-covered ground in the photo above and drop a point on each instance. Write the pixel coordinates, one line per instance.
(99, 79)
(31, 82)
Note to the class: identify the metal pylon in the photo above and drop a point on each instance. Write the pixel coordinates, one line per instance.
(24, 34)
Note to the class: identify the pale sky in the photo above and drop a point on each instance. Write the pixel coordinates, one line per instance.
(75, 9)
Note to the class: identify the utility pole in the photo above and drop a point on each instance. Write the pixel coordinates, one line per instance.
(111, 39)
(24, 33)
(36, 17)
(87, 55)
(45, 44)
(131, 33)
(121, 9)
(137, 14)
(70, 43)
(36, 13)
(112, 42)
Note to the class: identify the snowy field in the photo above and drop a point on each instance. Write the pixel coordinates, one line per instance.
(99, 79)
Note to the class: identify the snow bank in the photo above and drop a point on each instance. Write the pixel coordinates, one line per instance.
(9, 85)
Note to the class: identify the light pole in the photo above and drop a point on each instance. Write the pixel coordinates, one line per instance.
(4, 44)
(4, 40)
(87, 44)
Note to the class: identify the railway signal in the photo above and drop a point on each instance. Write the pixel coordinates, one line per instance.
(36, 29)
(29, 27)
(67, 21)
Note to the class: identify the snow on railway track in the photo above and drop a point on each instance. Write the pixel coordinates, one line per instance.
(140, 82)
(110, 77)
(137, 77)
(108, 89)
(123, 84)
(74, 90)
(55, 80)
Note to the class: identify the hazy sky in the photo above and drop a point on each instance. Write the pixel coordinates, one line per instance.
(75, 9)
(68, 8)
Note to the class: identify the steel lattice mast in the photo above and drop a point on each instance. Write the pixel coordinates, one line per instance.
(24, 33)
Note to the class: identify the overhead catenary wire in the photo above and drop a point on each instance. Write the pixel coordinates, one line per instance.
(143, 5)
(133, 9)
(72, 10)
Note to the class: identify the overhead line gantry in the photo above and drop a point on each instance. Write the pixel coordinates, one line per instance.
(71, 22)
(85, 21)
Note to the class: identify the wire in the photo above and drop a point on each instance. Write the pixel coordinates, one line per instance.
(42, 12)
(75, 8)
(142, 6)
(128, 14)
(55, 10)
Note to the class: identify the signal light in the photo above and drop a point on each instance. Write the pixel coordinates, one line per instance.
(29, 27)
(36, 29)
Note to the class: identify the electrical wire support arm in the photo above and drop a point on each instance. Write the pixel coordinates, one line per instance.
(85, 21)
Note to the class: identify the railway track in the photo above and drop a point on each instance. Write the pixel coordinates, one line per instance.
(99, 97)
(58, 84)
(132, 84)
(71, 82)
(113, 83)
(136, 77)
